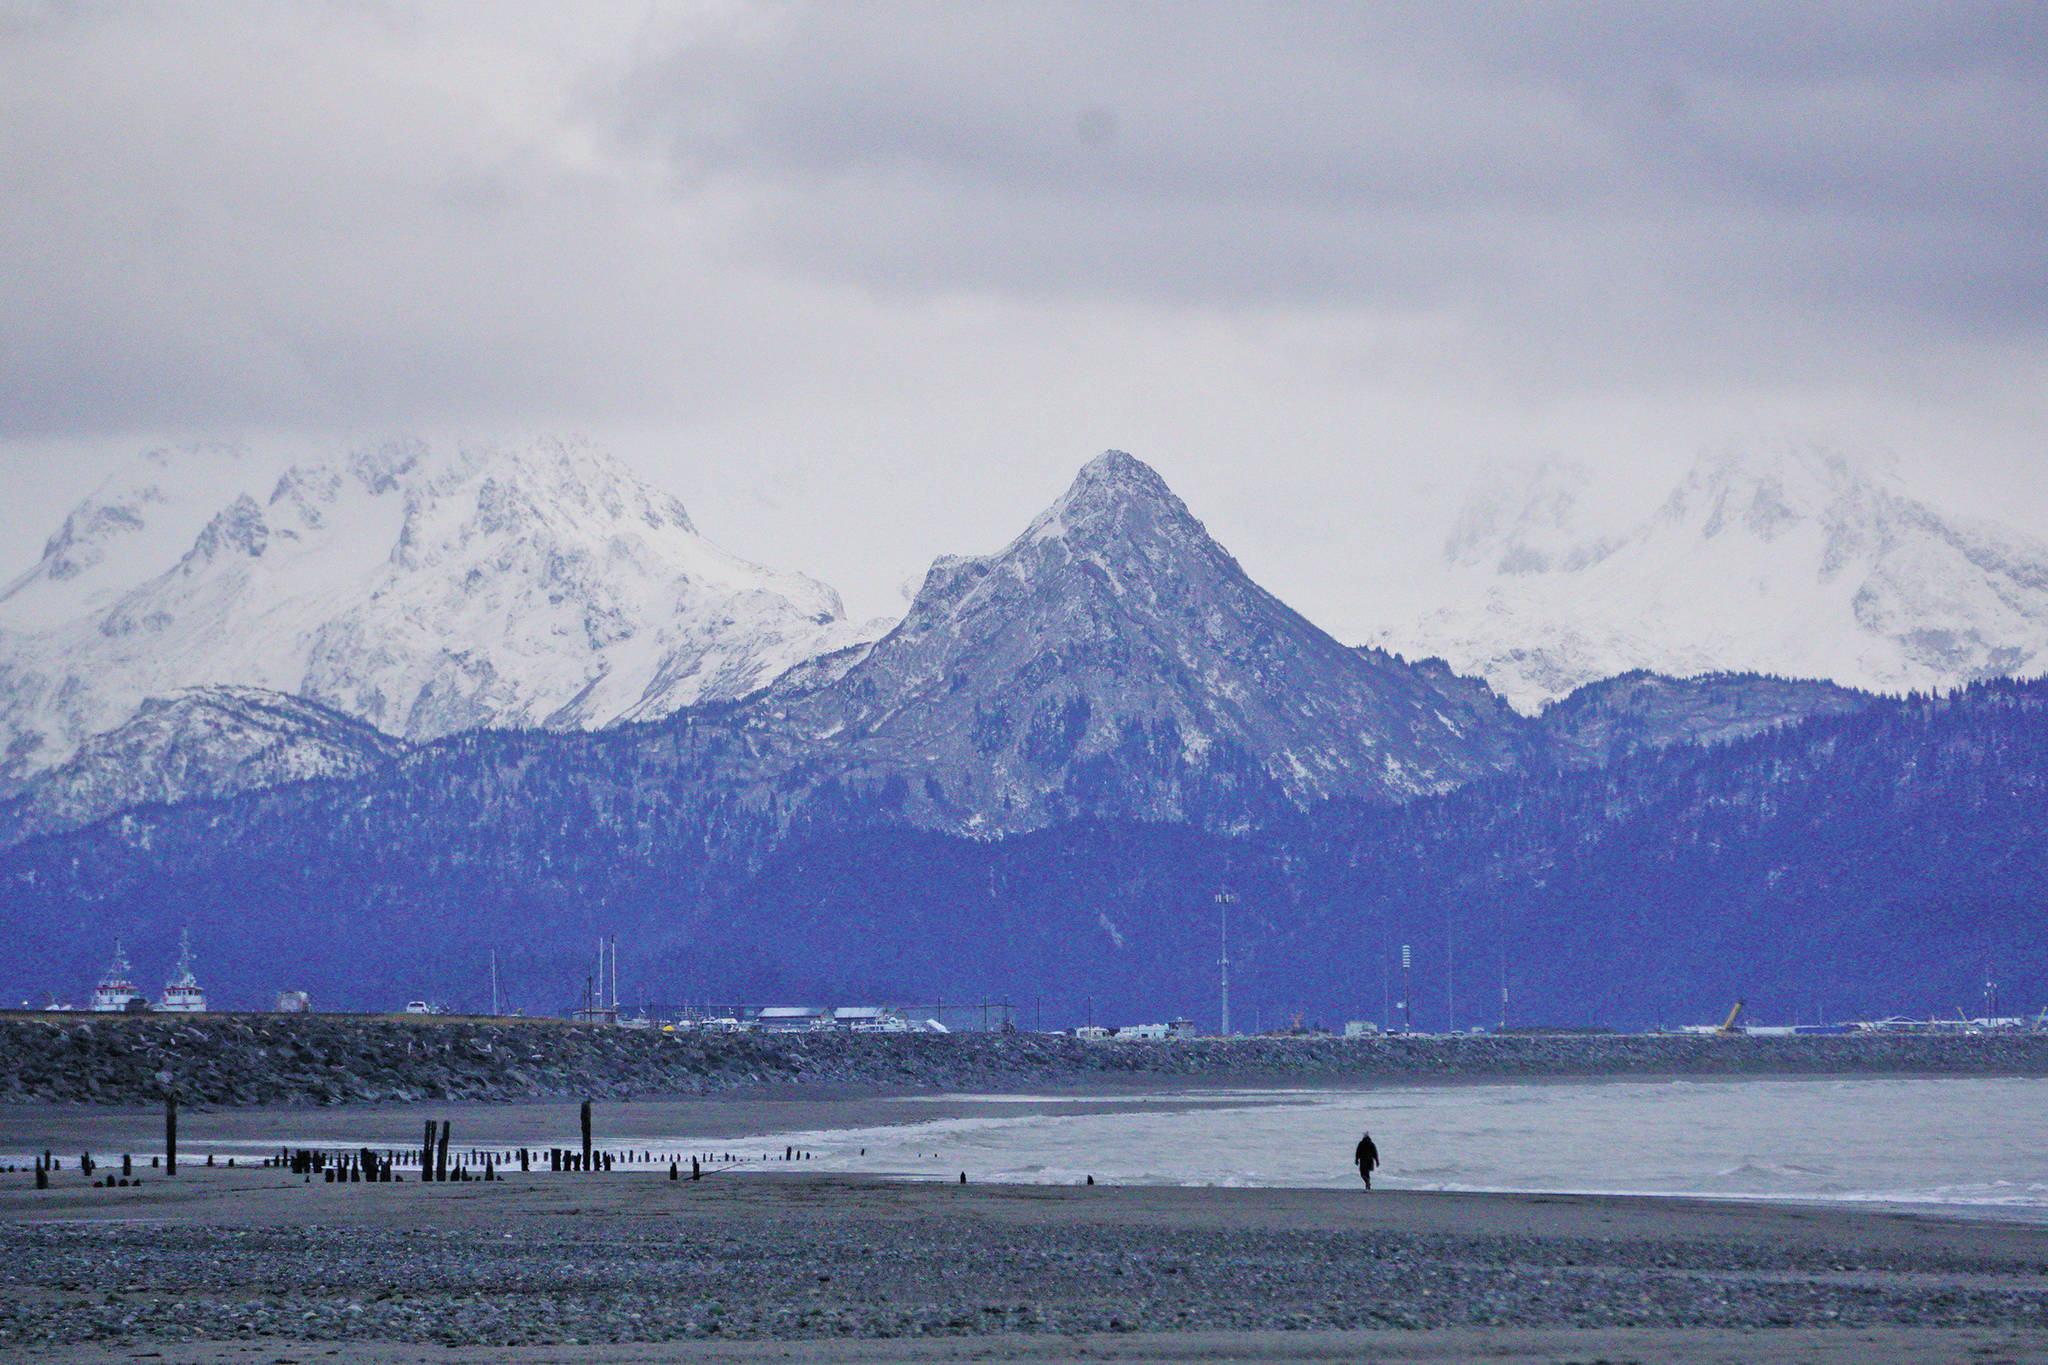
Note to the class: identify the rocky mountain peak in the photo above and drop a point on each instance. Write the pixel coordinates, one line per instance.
(239, 528)
(1528, 519)
(1794, 561)
(1114, 659)
(1767, 494)
(418, 588)
(1116, 499)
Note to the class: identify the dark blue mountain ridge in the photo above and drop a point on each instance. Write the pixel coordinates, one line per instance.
(1846, 866)
(1641, 710)
(1855, 865)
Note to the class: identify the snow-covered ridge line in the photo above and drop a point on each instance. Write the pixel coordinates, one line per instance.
(419, 589)
(1799, 562)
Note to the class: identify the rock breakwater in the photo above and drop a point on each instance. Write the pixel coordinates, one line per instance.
(326, 1060)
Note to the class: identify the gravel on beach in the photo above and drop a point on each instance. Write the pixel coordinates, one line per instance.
(639, 1259)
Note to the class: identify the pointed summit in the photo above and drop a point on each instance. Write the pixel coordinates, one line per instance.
(1114, 660)
(1115, 477)
(1115, 497)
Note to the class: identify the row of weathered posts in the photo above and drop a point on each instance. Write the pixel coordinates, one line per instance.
(431, 1160)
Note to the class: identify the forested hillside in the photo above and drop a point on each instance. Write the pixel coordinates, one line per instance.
(1862, 864)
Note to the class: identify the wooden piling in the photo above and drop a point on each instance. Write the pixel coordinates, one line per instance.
(586, 1135)
(170, 1135)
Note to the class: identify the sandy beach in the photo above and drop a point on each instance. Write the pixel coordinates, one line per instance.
(256, 1265)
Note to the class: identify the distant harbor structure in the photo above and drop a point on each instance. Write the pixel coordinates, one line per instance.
(182, 993)
(116, 994)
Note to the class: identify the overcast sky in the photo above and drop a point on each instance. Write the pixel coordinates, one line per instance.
(864, 283)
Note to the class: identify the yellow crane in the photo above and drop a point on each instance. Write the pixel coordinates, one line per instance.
(1728, 1024)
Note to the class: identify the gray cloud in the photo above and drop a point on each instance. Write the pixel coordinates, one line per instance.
(907, 264)
(1859, 158)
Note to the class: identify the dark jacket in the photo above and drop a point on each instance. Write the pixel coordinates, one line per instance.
(1367, 1156)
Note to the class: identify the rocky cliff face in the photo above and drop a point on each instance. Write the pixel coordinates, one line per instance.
(421, 591)
(1798, 563)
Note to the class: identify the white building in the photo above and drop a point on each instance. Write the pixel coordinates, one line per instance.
(792, 1018)
(869, 1019)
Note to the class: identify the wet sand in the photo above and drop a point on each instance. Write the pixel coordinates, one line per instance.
(254, 1265)
(70, 1129)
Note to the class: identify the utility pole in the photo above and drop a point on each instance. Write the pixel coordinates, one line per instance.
(1223, 902)
(494, 983)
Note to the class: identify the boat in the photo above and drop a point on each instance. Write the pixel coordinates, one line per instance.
(182, 993)
(116, 994)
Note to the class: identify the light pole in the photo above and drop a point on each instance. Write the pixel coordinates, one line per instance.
(1223, 901)
(1407, 1014)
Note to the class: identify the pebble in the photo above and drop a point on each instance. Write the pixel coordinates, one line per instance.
(763, 1279)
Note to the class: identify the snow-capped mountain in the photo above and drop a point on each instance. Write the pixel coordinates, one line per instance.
(205, 742)
(1115, 660)
(420, 590)
(1800, 563)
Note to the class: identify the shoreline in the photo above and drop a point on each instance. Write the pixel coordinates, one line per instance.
(648, 1133)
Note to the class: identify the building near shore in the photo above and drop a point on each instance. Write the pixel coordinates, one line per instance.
(870, 1019)
(792, 1018)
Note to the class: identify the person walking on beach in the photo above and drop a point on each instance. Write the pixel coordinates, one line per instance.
(1367, 1156)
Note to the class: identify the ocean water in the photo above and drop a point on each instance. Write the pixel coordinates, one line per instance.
(1974, 1145)
(1968, 1146)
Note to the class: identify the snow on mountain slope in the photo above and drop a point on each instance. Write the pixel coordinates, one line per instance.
(205, 742)
(1800, 563)
(422, 591)
(1115, 660)
(146, 513)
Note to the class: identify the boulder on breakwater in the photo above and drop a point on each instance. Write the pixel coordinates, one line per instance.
(338, 1059)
